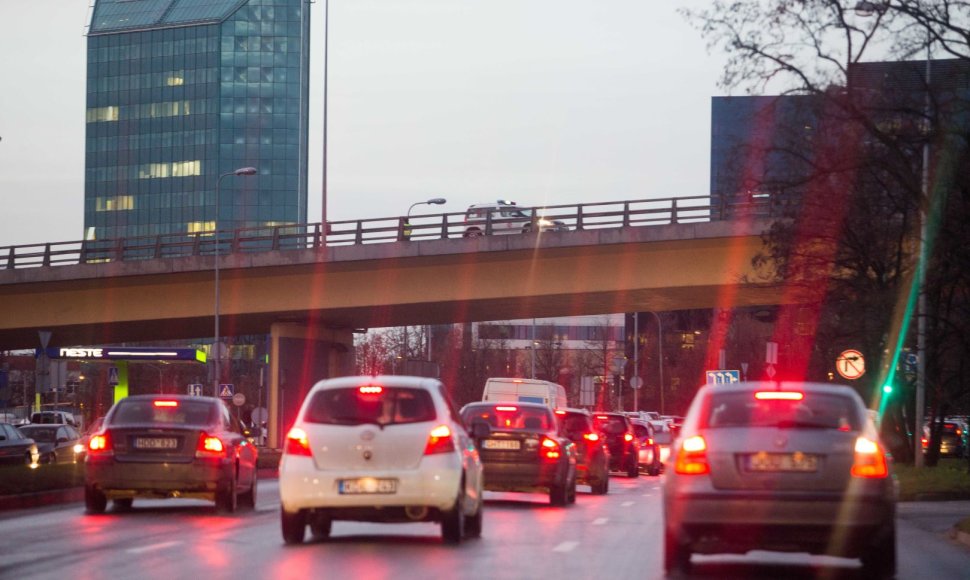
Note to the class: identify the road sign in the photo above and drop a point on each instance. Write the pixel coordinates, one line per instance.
(260, 414)
(239, 399)
(226, 390)
(850, 364)
(636, 382)
(113, 376)
(195, 389)
(723, 377)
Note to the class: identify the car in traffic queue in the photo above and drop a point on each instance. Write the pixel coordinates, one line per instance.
(523, 450)
(380, 449)
(953, 437)
(622, 442)
(789, 466)
(170, 446)
(592, 454)
(56, 443)
(16, 448)
(648, 458)
(505, 217)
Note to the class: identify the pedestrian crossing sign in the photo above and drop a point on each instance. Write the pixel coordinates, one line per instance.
(226, 390)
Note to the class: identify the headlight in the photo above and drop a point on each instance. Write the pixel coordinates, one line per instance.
(545, 222)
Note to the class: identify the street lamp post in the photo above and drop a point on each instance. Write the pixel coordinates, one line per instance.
(215, 342)
(617, 365)
(660, 357)
(407, 220)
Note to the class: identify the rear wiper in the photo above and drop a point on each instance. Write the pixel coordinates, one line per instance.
(359, 421)
(790, 424)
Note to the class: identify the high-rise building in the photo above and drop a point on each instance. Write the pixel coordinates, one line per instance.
(180, 92)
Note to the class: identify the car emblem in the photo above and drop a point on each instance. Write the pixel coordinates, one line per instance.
(367, 454)
(781, 441)
(367, 435)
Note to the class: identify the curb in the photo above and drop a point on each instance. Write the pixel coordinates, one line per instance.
(960, 536)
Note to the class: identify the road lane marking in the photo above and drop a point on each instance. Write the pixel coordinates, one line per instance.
(600, 521)
(566, 547)
(627, 504)
(152, 547)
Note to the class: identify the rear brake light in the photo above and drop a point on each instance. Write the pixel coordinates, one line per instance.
(649, 441)
(297, 443)
(628, 437)
(870, 461)
(560, 412)
(779, 395)
(209, 446)
(371, 390)
(506, 408)
(692, 457)
(550, 449)
(439, 441)
(100, 444)
(591, 437)
(925, 441)
(166, 403)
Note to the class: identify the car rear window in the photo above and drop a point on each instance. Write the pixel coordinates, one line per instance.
(611, 425)
(510, 417)
(171, 412)
(41, 434)
(574, 423)
(812, 411)
(370, 404)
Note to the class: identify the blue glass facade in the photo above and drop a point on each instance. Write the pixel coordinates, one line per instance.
(182, 91)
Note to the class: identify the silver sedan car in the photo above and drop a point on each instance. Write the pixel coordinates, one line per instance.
(780, 467)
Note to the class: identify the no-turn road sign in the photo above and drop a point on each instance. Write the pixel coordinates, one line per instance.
(850, 364)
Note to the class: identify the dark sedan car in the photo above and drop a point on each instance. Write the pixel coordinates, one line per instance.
(15, 447)
(524, 451)
(170, 446)
(56, 443)
(593, 456)
(622, 441)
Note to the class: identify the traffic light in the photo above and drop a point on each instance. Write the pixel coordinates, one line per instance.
(887, 388)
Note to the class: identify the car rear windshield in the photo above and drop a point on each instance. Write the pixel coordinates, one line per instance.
(510, 417)
(812, 411)
(574, 423)
(42, 434)
(168, 412)
(611, 425)
(375, 405)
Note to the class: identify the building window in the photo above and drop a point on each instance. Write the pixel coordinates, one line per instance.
(116, 203)
(200, 227)
(102, 114)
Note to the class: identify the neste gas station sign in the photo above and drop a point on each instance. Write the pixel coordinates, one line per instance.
(123, 353)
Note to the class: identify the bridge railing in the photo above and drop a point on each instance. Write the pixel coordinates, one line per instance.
(576, 217)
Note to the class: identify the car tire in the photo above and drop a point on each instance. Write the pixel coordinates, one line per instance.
(633, 468)
(320, 528)
(95, 501)
(601, 485)
(293, 526)
(676, 554)
(879, 561)
(571, 495)
(49, 459)
(558, 495)
(653, 469)
(453, 522)
(248, 499)
(227, 499)
(122, 504)
(473, 524)
(28, 459)
(473, 233)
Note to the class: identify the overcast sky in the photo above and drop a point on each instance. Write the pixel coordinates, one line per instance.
(542, 101)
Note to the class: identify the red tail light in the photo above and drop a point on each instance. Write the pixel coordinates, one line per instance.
(550, 448)
(870, 461)
(100, 444)
(628, 437)
(165, 403)
(591, 437)
(925, 441)
(779, 395)
(439, 441)
(297, 443)
(210, 446)
(506, 408)
(649, 441)
(692, 457)
(370, 389)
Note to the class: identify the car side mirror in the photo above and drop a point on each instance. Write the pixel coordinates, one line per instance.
(62, 439)
(480, 430)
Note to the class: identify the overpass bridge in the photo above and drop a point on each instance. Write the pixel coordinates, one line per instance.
(309, 291)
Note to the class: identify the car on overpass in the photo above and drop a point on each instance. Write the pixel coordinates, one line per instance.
(505, 217)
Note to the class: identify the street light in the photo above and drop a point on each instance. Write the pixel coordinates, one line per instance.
(215, 342)
(617, 365)
(407, 220)
(660, 357)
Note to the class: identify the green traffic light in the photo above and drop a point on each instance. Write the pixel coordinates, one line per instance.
(887, 388)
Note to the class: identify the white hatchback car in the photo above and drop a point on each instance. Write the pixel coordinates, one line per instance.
(380, 449)
(505, 217)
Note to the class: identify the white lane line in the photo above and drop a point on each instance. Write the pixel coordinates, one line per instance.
(152, 547)
(600, 521)
(627, 504)
(566, 547)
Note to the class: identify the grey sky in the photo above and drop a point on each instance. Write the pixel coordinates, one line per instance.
(540, 101)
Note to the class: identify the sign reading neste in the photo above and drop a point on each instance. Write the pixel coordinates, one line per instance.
(122, 353)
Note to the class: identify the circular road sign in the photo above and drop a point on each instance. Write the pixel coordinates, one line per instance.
(850, 364)
(260, 414)
(239, 399)
(636, 382)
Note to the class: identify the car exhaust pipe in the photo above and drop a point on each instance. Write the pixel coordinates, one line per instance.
(416, 512)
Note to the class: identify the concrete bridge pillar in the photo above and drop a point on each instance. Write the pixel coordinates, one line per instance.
(299, 356)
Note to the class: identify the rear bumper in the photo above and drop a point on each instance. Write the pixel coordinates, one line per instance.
(198, 478)
(525, 476)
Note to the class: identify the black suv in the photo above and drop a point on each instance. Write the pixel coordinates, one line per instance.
(622, 441)
(593, 457)
(523, 451)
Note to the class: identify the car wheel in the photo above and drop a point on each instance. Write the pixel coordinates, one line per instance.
(95, 502)
(676, 553)
(633, 469)
(123, 504)
(473, 524)
(571, 496)
(879, 561)
(49, 459)
(453, 522)
(293, 526)
(28, 458)
(601, 485)
(473, 233)
(248, 499)
(227, 499)
(653, 469)
(557, 494)
(320, 527)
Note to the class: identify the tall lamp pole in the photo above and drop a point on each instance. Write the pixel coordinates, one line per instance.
(432, 201)
(660, 357)
(215, 342)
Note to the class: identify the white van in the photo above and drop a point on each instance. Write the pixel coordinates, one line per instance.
(525, 391)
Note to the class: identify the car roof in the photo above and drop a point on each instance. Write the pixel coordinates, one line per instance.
(573, 410)
(748, 386)
(383, 380)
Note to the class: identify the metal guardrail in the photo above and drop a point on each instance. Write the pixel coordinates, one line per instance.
(586, 216)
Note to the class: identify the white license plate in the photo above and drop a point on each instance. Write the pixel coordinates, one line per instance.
(511, 444)
(156, 443)
(768, 462)
(368, 485)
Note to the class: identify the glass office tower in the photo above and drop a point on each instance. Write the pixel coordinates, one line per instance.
(182, 91)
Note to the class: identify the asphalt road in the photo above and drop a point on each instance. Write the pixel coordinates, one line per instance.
(617, 536)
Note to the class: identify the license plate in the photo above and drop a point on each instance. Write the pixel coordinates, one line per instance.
(768, 462)
(512, 444)
(368, 485)
(156, 443)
